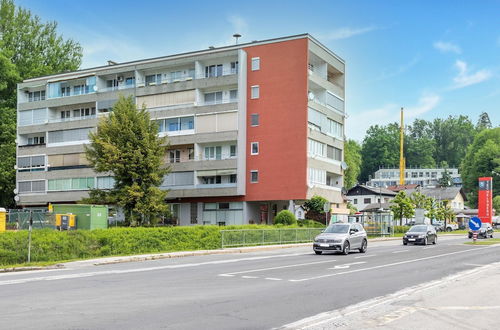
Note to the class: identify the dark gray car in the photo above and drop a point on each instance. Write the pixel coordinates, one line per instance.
(422, 234)
(341, 237)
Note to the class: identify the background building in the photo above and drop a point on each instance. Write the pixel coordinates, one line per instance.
(254, 128)
(424, 177)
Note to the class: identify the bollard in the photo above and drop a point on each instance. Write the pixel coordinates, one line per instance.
(474, 237)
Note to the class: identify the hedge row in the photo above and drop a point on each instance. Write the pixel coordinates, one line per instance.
(51, 245)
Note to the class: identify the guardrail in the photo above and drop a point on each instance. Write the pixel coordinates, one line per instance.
(253, 237)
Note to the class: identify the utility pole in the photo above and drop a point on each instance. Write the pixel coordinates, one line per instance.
(402, 161)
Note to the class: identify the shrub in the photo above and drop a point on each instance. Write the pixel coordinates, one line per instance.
(401, 229)
(310, 224)
(285, 217)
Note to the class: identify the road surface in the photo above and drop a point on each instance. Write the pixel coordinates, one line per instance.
(258, 290)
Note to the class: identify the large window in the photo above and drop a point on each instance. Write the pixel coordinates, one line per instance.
(75, 87)
(70, 135)
(153, 79)
(213, 98)
(36, 96)
(213, 152)
(316, 148)
(105, 182)
(334, 102)
(84, 183)
(25, 187)
(255, 63)
(176, 124)
(335, 129)
(31, 163)
(317, 176)
(32, 117)
(213, 70)
(334, 153)
(178, 179)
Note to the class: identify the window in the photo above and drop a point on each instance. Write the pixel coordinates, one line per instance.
(153, 79)
(112, 84)
(355, 201)
(213, 71)
(213, 152)
(254, 119)
(254, 148)
(175, 124)
(36, 96)
(191, 153)
(367, 200)
(70, 135)
(37, 186)
(334, 102)
(333, 153)
(32, 117)
(316, 176)
(232, 151)
(223, 206)
(175, 156)
(31, 163)
(255, 63)
(84, 183)
(105, 182)
(316, 148)
(212, 179)
(35, 140)
(234, 67)
(65, 114)
(175, 75)
(255, 92)
(232, 178)
(130, 81)
(233, 95)
(254, 176)
(335, 129)
(420, 174)
(213, 98)
(178, 179)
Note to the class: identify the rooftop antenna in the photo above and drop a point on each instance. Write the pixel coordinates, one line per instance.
(236, 36)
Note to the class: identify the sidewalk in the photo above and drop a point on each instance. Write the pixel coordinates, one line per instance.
(467, 300)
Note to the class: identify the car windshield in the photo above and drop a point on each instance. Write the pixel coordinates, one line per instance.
(484, 225)
(418, 229)
(337, 229)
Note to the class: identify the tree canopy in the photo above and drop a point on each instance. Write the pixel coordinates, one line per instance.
(127, 145)
(352, 157)
(28, 48)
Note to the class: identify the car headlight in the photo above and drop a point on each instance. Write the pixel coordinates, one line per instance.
(315, 239)
(421, 236)
(337, 241)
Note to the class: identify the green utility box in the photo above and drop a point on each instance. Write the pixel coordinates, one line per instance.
(87, 216)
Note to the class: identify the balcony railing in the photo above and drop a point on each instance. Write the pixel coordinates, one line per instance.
(61, 120)
(232, 100)
(116, 88)
(199, 158)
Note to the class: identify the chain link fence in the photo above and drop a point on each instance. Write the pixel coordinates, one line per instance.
(19, 219)
(253, 237)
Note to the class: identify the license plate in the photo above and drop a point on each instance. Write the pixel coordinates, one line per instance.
(411, 239)
(324, 245)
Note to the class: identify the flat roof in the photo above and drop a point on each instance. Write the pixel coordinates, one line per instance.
(187, 54)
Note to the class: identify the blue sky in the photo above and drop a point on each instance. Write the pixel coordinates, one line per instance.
(434, 58)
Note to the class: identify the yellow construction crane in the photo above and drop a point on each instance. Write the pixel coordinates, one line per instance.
(402, 161)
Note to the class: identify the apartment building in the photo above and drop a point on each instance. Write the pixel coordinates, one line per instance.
(425, 177)
(253, 128)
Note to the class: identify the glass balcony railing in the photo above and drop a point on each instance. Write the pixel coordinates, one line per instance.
(72, 88)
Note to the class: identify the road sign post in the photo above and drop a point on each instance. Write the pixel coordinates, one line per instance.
(474, 225)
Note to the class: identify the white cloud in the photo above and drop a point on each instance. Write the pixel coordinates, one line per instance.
(357, 124)
(464, 78)
(347, 32)
(447, 47)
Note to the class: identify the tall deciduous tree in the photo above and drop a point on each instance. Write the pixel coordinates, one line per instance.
(482, 160)
(127, 145)
(483, 122)
(380, 148)
(28, 48)
(420, 145)
(352, 157)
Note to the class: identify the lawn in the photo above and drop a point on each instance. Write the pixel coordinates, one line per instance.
(490, 241)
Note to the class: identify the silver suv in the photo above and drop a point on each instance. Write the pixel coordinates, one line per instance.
(342, 237)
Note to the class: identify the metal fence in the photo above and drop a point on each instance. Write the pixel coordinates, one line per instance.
(19, 219)
(253, 237)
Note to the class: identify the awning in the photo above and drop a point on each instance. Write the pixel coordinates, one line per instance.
(216, 172)
(71, 77)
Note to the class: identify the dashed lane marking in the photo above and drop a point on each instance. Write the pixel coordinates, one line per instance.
(367, 256)
(344, 266)
(400, 251)
(277, 267)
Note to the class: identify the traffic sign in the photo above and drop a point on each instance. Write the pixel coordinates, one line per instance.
(474, 223)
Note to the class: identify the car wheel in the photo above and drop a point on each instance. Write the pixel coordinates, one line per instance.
(448, 229)
(405, 243)
(364, 246)
(346, 248)
(425, 241)
(470, 236)
(318, 252)
(435, 240)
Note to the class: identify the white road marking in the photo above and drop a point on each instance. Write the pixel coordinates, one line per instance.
(429, 247)
(226, 275)
(328, 317)
(367, 256)
(400, 251)
(344, 266)
(278, 267)
(250, 277)
(273, 279)
(388, 265)
(138, 270)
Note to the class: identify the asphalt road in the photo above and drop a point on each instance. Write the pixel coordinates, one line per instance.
(259, 290)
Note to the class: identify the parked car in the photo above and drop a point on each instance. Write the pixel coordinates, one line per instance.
(485, 231)
(439, 225)
(341, 237)
(422, 234)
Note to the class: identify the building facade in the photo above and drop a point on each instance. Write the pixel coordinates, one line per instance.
(425, 177)
(253, 128)
(362, 196)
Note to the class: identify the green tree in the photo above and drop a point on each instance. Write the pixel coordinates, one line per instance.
(452, 136)
(28, 48)
(496, 204)
(446, 180)
(483, 122)
(419, 200)
(380, 149)
(127, 144)
(420, 145)
(314, 208)
(402, 207)
(285, 217)
(431, 207)
(352, 157)
(444, 213)
(482, 160)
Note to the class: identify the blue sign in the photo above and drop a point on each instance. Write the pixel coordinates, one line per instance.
(474, 223)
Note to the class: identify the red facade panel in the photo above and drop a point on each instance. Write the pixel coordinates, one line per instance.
(282, 131)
